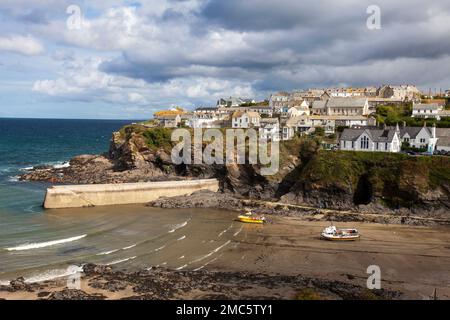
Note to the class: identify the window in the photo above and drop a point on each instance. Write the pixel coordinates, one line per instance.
(422, 140)
(377, 145)
(365, 143)
(386, 146)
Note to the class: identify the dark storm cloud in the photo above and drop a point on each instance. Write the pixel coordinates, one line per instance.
(283, 44)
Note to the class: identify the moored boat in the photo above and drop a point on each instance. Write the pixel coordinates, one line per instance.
(334, 234)
(250, 218)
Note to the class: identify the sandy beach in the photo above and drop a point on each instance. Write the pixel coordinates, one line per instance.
(281, 260)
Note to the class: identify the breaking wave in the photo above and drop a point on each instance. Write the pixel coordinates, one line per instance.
(54, 274)
(120, 261)
(31, 246)
(179, 226)
(107, 252)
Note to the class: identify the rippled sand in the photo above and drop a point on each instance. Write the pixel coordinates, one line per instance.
(413, 260)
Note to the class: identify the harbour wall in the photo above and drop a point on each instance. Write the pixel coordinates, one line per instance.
(77, 196)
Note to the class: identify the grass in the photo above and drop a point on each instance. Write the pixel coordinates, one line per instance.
(309, 294)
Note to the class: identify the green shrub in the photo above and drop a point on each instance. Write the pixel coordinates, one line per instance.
(158, 138)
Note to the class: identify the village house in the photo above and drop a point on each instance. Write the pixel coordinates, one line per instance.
(346, 92)
(295, 111)
(370, 139)
(245, 120)
(279, 100)
(427, 110)
(341, 106)
(269, 129)
(307, 124)
(310, 95)
(262, 110)
(401, 92)
(233, 102)
(169, 120)
(419, 137)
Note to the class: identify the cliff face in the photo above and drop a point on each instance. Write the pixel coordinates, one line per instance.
(326, 179)
(344, 180)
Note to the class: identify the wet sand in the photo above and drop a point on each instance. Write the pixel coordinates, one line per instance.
(413, 260)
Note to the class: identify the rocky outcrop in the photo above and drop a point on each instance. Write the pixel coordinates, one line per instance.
(379, 182)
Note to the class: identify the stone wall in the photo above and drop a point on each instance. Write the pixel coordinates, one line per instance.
(76, 196)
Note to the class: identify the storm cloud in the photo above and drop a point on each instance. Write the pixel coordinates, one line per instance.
(193, 51)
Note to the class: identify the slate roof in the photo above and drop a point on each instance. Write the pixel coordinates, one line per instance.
(443, 135)
(426, 106)
(321, 104)
(346, 102)
(376, 135)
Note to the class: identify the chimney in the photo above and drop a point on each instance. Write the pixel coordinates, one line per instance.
(433, 131)
(397, 128)
(404, 124)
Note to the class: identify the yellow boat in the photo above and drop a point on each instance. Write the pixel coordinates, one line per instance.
(249, 218)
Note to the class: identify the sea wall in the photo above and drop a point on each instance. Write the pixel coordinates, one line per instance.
(76, 196)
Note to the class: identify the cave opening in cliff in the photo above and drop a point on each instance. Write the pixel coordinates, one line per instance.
(363, 193)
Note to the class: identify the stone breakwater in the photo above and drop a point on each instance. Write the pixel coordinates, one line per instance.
(76, 196)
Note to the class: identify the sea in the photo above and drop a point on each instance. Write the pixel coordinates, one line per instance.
(42, 245)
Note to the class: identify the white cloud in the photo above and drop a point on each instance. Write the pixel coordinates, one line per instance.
(173, 52)
(83, 81)
(20, 44)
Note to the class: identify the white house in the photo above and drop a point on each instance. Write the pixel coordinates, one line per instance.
(205, 121)
(370, 139)
(300, 110)
(233, 102)
(262, 110)
(419, 137)
(245, 120)
(307, 124)
(279, 100)
(269, 129)
(427, 110)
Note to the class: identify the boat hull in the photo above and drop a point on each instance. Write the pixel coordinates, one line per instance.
(344, 238)
(250, 220)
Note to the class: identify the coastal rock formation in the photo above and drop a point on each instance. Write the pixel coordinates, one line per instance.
(162, 284)
(370, 182)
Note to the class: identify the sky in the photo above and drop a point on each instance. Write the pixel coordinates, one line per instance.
(126, 59)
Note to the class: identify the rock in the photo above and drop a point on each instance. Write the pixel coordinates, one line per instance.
(68, 294)
(43, 294)
(19, 284)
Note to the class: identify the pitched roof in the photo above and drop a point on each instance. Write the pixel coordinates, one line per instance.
(168, 117)
(238, 114)
(207, 109)
(321, 104)
(269, 120)
(442, 132)
(426, 106)
(253, 114)
(346, 102)
(376, 135)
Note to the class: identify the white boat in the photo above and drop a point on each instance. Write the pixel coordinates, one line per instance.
(334, 234)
